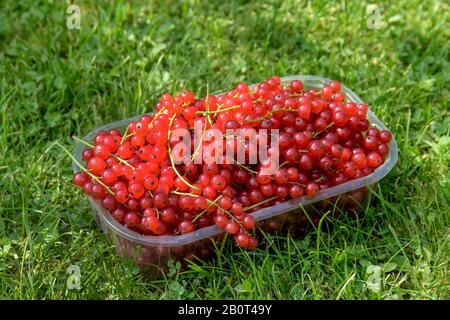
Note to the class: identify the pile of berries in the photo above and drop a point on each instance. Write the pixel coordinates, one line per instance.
(323, 141)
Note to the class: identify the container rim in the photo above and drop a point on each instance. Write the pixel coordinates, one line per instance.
(207, 232)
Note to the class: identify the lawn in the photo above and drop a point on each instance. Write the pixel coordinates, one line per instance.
(56, 82)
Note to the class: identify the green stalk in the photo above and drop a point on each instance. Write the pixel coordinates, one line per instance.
(327, 127)
(124, 135)
(260, 203)
(211, 203)
(245, 168)
(92, 146)
(171, 159)
(93, 177)
(184, 194)
(204, 129)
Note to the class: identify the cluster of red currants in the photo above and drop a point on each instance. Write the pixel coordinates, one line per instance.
(323, 141)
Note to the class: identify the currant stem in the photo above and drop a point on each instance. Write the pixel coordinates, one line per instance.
(200, 144)
(320, 179)
(156, 116)
(123, 161)
(124, 136)
(128, 135)
(211, 203)
(113, 155)
(245, 168)
(83, 142)
(260, 203)
(185, 194)
(283, 164)
(220, 110)
(269, 114)
(299, 184)
(327, 127)
(234, 218)
(173, 163)
(93, 177)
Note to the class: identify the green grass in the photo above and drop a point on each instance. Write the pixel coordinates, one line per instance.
(55, 83)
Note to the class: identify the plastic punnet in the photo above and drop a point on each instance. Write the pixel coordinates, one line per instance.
(152, 253)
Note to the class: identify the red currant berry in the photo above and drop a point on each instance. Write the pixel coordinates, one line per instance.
(169, 216)
(109, 203)
(242, 240)
(98, 191)
(385, 136)
(359, 160)
(221, 221)
(125, 151)
(160, 200)
(374, 159)
(383, 149)
(248, 222)
(232, 227)
(312, 188)
(118, 214)
(327, 91)
(370, 142)
(96, 165)
(296, 86)
(335, 86)
(109, 177)
(186, 226)
(80, 178)
(218, 182)
(87, 154)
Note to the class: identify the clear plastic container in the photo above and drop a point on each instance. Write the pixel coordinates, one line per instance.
(151, 253)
